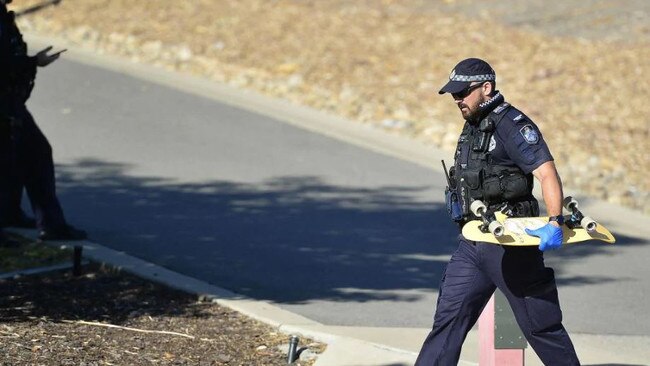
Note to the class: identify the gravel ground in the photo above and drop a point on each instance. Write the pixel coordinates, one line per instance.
(575, 67)
(626, 21)
(58, 319)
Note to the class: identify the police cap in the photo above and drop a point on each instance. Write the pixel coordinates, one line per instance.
(466, 72)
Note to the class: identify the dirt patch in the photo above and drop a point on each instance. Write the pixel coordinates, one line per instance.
(626, 21)
(58, 319)
(380, 62)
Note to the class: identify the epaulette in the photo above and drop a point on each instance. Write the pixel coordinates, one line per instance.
(502, 107)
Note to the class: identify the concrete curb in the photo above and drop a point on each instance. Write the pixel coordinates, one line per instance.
(37, 270)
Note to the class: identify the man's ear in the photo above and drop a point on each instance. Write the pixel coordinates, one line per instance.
(487, 89)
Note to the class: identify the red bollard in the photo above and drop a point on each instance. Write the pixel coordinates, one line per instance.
(489, 355)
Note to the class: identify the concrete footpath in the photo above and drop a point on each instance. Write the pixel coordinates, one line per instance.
(356, 346)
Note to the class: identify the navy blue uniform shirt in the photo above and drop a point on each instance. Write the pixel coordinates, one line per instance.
(517, 141)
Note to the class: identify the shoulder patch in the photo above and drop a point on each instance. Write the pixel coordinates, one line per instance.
(503, 106)
(530, 134)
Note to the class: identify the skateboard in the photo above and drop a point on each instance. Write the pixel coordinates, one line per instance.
(497, 228)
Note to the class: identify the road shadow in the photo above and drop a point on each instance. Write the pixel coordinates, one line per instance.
(288, 239)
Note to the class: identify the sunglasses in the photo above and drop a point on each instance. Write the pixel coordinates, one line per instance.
(467, 91)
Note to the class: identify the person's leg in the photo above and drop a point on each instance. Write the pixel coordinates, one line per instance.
(464, 291)
(530, 288)
(6, 164)
(18, 217)
(39, 179)
(5, 175)
(11, 186)
(38, 174)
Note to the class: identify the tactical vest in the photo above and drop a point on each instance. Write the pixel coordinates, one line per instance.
(476, 177)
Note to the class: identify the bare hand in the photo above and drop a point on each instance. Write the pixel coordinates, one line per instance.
(43, 59)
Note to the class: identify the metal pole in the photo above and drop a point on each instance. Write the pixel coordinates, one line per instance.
(76, 260)
(292, 355)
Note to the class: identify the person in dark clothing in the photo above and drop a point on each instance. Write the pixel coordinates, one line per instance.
(26, 154)
(500, 153)
(5, 179)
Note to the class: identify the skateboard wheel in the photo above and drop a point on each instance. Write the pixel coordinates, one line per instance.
(477, 207)
(588, 224)
(496, 228)
(570, 203)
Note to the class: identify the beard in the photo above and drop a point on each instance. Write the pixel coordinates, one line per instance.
(472, 112)
(469, 112)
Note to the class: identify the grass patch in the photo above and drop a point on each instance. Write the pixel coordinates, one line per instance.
(31, 254)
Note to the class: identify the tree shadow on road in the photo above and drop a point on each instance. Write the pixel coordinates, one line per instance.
(289, 239)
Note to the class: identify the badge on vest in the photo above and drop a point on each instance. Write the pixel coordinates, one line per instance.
(493, 144)
(530, 134)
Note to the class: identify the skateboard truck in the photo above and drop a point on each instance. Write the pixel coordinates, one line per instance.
(577, 218)
(490, 223)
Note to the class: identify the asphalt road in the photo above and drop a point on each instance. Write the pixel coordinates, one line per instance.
(334, 231)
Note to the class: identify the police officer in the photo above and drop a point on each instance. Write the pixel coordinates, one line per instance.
(30, 153)
(499, 152)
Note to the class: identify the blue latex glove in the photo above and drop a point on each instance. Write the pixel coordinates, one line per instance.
(550, 235)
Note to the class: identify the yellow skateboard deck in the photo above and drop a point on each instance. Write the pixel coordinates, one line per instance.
(514, 233)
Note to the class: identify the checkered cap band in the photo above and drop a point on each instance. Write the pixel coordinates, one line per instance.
(468, 78)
